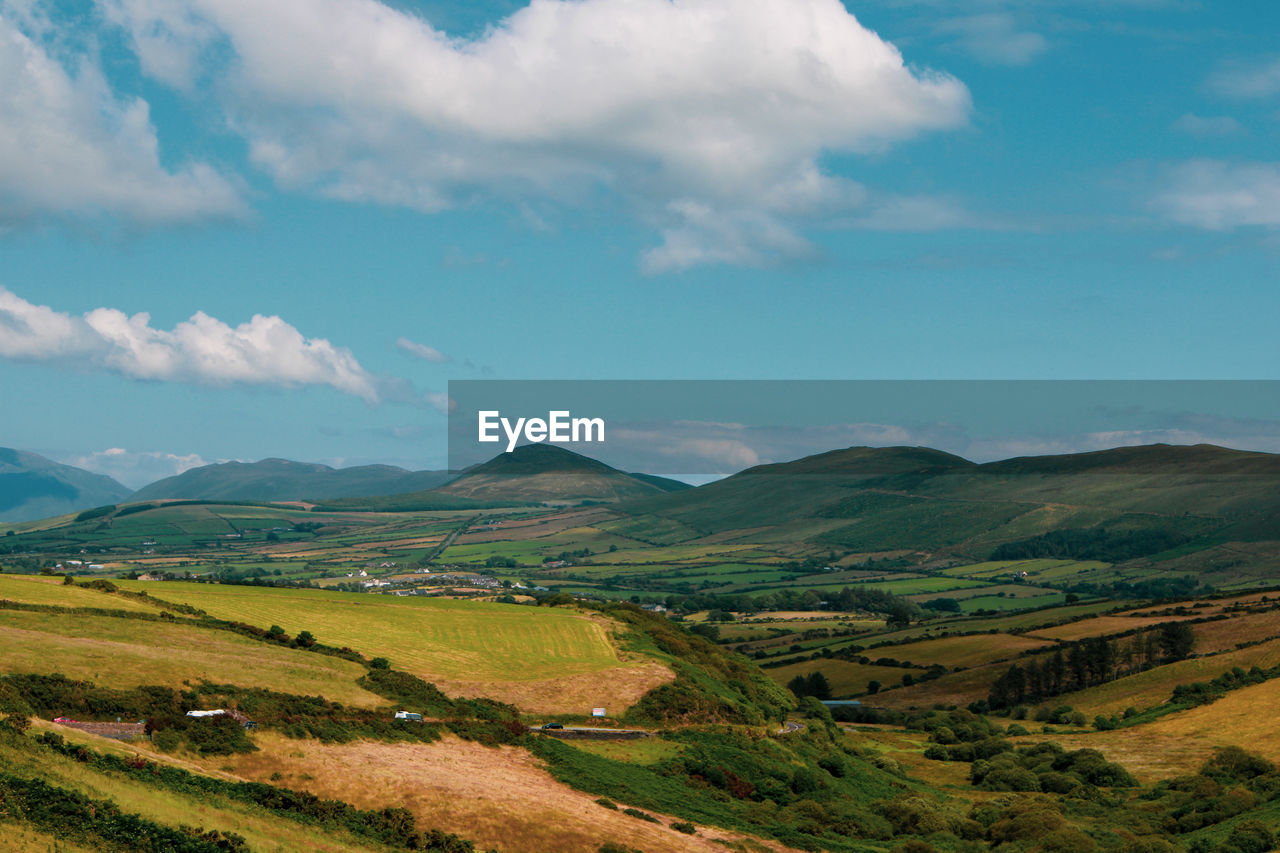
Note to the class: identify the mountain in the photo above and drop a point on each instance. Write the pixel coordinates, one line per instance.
(547, 473)
(284, 480)
(33, 487)
(1115, 502)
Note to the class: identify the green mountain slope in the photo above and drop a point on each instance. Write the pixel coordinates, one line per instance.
(544, 472)
(873, 499)
(33, 487)
(285, 480)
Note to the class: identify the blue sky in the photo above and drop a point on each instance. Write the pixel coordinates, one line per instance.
(771, 189)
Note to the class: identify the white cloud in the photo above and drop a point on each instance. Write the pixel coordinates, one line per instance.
(203, 349)
(994, 38)
(135, 469)
(707, 116)
(1219, 196)
(1256, 81)
(423, 351)
(1207, 125)
(70, 146)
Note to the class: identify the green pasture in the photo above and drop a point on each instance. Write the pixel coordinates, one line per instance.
(430, 637)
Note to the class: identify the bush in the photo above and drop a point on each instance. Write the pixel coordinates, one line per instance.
(607, 803)
(685, 827)
(636, 813)
(1251, 836)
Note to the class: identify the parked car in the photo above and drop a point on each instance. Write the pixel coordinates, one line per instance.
(552, 726)
(409, 715)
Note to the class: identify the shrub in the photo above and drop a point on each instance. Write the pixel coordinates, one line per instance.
(636, 813)
(685, 827)
(1251, 836)
(607, 803)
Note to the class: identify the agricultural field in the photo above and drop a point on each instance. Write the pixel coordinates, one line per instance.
(845, 678)
(964, 652)
(131, 652)
(35, 589)
(538, 658)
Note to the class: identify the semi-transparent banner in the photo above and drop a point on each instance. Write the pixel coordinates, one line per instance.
(700, 429)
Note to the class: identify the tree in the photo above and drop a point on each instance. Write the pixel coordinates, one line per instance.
(817, 686)
(873, 686)
(899, 616)
(1176, 640)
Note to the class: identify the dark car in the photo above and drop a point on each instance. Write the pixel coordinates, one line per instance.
(552, 726)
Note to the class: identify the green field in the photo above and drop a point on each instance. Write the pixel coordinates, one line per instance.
(30, 589)
(131, 652)
(431, 637)
(845, 678)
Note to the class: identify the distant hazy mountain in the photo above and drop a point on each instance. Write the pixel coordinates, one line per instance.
(33, 487)
(545, 472)
(283, 480)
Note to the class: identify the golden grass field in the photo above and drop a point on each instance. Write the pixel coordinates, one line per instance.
(35, 589)
(1179, 743)
(1102, 625)
(500, 797)
(1220, 636)
(1155, 686)
(124, 653)
(967, 651)
(541, 659)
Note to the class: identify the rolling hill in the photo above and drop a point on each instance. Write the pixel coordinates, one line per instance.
(546, 473)
(872, 499)
(33, 487)
(285, 480)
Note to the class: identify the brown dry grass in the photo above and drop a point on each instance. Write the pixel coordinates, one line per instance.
(1180, 743)
(965, 652)
(498, 796)
(614, 689)
(1102, 625)
(1220, 636)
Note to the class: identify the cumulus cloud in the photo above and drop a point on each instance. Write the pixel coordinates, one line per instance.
(135, 469)
(708, 117)
(263, 351)
(1220, 196)
(70, 146)
(994, 38)
(422, 351)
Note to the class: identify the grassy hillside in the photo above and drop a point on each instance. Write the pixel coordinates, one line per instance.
(545, 472)
(1133, 502)
(543, 659)
(285, 480)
